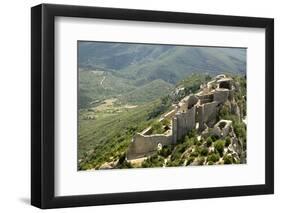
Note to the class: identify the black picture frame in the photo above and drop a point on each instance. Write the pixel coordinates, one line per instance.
(43, 102)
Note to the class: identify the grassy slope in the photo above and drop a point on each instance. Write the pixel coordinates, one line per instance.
(112, 86)
(109, 136)
(91, 89)
(147, 92)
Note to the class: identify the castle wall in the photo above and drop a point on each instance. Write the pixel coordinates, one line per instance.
(182, 106)
(184, 122)
(221, 95)
(191, 100)
(145, 144)
(170, 114)
(174, 130)
(202, 108)
(207, 113)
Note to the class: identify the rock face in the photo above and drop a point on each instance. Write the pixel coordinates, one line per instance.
(201, 108)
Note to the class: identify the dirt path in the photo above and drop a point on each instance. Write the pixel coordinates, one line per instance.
(101, 82)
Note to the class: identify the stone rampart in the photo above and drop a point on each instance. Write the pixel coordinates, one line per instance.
(184, 122)
(221, 95)
(142, 145)
(207, 113)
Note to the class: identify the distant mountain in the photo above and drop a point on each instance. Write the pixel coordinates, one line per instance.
(147, 62)
(140, 73)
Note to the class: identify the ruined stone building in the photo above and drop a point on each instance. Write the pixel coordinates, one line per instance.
(196, 111)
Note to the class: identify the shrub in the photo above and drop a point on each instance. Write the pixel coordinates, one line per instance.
(153, 161)
(177, 162)
(209, 141)
(190, 160)
(199, 142)
(214, 137)
(175, 155)
(227, 159)
(157, 128)
(165, 151)
(165, 122)
(195, 141)
(201, 160)
(227, 141)
(224, 112)
(213, 158)
(203, 151)
(240, 130)
(181, 148)
(194, 154)
(192, 133)
(189, 142)
(219, 146)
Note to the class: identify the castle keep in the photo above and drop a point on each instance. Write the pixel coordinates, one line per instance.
(196, 111)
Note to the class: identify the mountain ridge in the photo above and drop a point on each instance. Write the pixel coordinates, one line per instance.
(147, 62)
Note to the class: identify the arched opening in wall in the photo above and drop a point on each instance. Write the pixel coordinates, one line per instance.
(225, 85)
(222, 124)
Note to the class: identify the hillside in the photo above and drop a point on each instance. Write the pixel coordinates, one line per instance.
(147, 62)
(106, 131)
(147, 92)
(139, 73)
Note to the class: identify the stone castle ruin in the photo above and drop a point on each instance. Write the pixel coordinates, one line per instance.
(195, 111)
